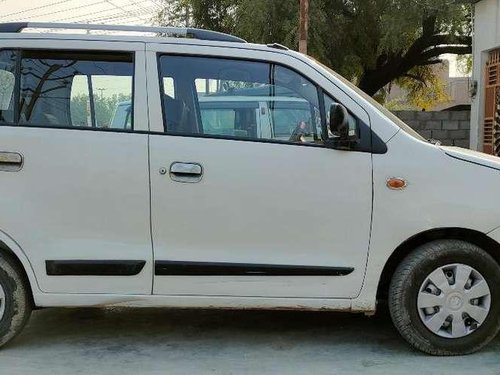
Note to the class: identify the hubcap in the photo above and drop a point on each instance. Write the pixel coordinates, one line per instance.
(454, 300)
(2, 302)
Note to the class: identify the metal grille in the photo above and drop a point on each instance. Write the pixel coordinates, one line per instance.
(491, 125)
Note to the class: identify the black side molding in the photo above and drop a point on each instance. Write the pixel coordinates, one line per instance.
(94, 267)
(180, 268)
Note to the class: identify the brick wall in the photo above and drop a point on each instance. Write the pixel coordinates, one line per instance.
(452, 128)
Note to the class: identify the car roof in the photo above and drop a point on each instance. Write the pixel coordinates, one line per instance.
(161, 35)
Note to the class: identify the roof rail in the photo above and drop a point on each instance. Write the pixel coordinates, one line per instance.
(185, 32)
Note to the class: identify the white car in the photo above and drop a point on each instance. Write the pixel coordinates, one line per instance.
(184, 209)
(263, 116)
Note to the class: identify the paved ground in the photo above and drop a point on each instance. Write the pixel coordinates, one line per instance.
(156, 341)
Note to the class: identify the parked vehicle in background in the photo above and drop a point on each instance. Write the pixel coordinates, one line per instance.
(245, 116)
(122, 118)
(212, 173)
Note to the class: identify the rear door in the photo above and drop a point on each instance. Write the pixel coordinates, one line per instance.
(78, 201)
(242, 214)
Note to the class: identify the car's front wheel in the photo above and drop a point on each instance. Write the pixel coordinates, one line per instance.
(444, 298)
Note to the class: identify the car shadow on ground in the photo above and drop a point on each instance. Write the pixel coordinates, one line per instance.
(154, 325)
(152, 339)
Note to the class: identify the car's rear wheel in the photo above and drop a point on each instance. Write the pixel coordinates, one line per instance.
(15, 300)
(444, 298)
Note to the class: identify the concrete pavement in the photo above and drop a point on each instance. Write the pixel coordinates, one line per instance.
(160, 341)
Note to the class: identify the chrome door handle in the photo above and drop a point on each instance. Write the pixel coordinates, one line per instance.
(186, 172)
(10, 161)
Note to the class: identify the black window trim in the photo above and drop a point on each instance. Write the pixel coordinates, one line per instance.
(92, 52)
(17, 86)
(372, 144)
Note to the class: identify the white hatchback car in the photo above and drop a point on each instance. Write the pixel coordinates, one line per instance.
(182, 209)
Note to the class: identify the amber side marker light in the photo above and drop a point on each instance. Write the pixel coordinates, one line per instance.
(396, 183)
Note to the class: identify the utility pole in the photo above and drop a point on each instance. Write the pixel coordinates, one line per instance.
(101, 90)
(187, 16)
(303, 25)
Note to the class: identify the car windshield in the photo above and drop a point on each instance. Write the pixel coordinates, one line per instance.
(372, 101)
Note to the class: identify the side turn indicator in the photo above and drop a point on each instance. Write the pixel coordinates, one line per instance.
(396, 183)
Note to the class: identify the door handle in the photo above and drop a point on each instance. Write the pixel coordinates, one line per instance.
(10, 161)
(186, 172)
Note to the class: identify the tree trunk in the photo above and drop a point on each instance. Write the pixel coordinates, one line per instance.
(371, 81)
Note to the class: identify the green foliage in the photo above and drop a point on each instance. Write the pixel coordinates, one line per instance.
(424, 89)
(464, 64)
(370, 42)
(105, 107)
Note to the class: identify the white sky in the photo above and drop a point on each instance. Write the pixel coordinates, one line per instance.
(133, 12)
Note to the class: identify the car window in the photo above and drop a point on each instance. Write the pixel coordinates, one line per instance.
(67, 88)
(7, 83)
(168, 87)
(353, 122)
(122, 119)
(229, 118)
(238, 98)
(98, 97)
(286, 113)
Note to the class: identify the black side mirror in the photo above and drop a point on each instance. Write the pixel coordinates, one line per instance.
(339, 128)
(339, 123)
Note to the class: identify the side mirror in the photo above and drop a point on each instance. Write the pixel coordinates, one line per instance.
(339, 123)
(339, 128)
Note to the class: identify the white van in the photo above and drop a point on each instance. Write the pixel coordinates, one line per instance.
(283, 118)
(190, 209)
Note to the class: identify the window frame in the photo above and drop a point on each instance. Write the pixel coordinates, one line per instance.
(320, 91)
(92, 52)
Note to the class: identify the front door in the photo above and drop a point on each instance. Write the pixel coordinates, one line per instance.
(235, 213)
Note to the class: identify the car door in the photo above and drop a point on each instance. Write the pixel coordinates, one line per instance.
(243, 215)
(75, 196)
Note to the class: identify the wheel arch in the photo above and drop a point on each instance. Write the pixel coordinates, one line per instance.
(469, 235)
(9, 248)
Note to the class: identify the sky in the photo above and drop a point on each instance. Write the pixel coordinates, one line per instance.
(123, 12)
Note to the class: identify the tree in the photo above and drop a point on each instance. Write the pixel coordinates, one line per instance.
(371, 42)
(416, 38)
(105, 107)
(423, 91)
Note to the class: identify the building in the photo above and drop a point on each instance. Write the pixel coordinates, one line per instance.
(485, 88)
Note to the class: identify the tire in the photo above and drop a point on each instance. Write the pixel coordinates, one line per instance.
(407, 285)
(16, 300)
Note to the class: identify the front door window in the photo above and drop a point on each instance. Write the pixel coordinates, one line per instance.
(239, 99)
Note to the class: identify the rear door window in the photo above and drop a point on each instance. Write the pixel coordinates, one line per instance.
(69, 89)
(8, 61)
